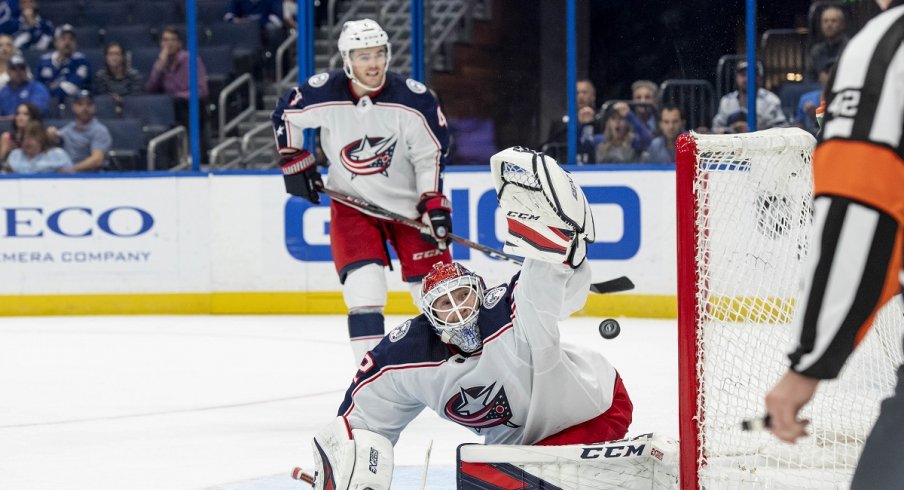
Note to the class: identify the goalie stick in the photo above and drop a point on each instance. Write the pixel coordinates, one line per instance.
(616, 285)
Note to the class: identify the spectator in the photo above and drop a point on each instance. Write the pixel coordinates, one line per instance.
(671, 124)
(116, 78)
(10, 140)
(32, 31)
(645, 96)
(7, 50)
(832, 26)
(65, 71)
(587, 126)
(170, 76)
(737, 122)
(290, 12)
(267, 13)
(9, 10)
(86, 140)
(618, 136)
(768, 106)
(36, 154)
(805, 118)
(21, 88)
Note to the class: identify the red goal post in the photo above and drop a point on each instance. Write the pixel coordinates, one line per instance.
(744, 213)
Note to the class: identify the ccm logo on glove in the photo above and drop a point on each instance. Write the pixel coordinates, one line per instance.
(527, 216)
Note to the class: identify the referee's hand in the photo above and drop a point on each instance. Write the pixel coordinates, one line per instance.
(784, 402)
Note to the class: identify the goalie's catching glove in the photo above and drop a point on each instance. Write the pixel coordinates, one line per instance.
(300, 175)
(548, 216)
(436, 213)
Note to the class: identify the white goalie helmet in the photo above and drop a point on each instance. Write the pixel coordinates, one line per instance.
(451, 298)
(358, 34)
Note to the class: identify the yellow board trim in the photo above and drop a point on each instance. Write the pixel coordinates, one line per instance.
(312, 303)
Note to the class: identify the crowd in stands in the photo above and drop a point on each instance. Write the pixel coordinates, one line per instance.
(643, 129)
(77, 72)
(74, 70)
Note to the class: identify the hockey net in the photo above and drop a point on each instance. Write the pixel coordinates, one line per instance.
(744, 216)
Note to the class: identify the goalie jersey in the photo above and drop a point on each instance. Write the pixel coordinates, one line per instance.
(520, 388)
(388, 147)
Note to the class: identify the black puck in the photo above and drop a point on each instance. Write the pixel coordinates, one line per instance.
(609, 328)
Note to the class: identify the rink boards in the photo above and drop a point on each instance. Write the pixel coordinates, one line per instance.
(236, 243)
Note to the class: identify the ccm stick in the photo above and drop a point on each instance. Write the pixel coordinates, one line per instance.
(616, 285)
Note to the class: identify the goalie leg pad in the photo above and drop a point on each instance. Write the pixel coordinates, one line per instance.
(548, 215)
(355, 459)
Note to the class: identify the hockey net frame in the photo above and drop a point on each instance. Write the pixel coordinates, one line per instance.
(744, 207)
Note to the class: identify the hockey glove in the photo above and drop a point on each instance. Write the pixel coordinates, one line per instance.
(301, 176)
(436, 212)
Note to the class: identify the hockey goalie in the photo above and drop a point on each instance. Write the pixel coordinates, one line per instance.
(490, 359)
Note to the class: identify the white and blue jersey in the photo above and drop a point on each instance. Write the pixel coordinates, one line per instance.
(66, 78)
(38, 37)
(388, 147)
(520, 388)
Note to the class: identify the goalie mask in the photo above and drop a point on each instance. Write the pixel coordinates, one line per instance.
(358, 34)
(451, 300)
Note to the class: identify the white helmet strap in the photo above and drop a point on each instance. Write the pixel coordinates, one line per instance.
(347, 67)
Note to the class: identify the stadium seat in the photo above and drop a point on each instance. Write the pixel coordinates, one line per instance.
(130, 36)
(155, 111)
(87, 36)
(128, 148)
(142, 59)
(95, 58)
(217, 60)
(33, 57)
(61, 12)
(244, 41)
(160, 12)
(245, 36)
(210, 11)
(105, 107)
(105, 13)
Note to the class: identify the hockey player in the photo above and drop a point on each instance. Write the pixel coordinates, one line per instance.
(386, 140)
(488, 359)
(855, 268)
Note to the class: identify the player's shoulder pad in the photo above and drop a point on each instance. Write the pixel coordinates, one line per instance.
(408, 91)
(322, 87)
(412, 341)
(496, 311)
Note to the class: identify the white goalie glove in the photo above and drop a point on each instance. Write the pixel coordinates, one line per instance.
(547, 214)
(351, 459)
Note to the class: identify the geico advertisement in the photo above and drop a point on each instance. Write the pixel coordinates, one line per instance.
(94, 235)
(235, 233)
(634, 213)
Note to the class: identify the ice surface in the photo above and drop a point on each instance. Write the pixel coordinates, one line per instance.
(231, 402)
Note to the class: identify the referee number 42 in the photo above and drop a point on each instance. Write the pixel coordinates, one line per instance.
(845, 103)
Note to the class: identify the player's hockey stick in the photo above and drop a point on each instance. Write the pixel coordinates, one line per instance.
(611, 286)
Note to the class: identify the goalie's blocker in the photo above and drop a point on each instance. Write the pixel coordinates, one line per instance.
(547, 214)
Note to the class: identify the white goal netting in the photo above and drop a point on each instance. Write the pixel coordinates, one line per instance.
(752, 223)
